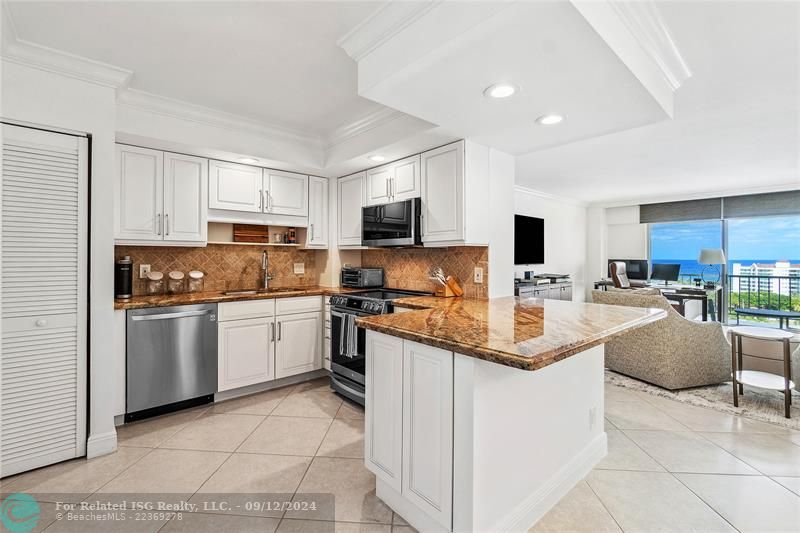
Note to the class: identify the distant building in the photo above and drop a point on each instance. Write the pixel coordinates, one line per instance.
(768, 278)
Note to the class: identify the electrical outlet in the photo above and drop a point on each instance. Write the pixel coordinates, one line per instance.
(299, 268)
(144, 270)
(478, 277)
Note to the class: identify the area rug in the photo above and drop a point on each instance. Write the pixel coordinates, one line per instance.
(758, 404)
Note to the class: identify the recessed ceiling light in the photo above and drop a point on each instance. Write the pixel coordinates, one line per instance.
(550, 120)
(248, 160)
(500, 90)
(377, 158)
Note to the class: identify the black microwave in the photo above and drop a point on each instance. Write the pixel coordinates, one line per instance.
(395, 224)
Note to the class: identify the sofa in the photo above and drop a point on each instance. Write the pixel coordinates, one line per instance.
(673, 353)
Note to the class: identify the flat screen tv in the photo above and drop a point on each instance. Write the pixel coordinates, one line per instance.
(528, 240)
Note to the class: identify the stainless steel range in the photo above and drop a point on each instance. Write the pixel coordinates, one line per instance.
(348, 342)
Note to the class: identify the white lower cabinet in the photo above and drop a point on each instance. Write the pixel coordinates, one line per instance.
(298, 345)
(245, 352)
(266, 339)
(428, 430)
(409, 422)
(383, 439)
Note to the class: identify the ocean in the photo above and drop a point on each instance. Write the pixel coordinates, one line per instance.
(690, 267)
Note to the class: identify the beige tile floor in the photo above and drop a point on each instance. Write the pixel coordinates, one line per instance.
(670, 467)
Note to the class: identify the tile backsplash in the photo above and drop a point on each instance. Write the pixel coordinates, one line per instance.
(226, 266)
(409, 268)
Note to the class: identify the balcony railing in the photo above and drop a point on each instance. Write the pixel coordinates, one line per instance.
(781, 293)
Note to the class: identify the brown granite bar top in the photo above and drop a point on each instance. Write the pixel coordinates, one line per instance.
(523, 333)
(166, 300)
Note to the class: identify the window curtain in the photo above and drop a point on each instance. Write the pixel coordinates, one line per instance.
(749, 205)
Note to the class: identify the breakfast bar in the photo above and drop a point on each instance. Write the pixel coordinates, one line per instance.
(510, 390)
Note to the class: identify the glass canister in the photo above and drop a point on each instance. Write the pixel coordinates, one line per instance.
(195, 281)
(175, 283)
(155, 283)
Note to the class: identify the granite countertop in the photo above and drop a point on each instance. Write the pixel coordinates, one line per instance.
(166, 300)
(525, 333)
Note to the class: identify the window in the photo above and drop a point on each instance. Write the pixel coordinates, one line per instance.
(764, 264)
(681, 242)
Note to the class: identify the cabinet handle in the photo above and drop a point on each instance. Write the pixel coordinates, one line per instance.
(158, 216)
(391, 187)
(387, 188)
(273, 330)
(279, 330)
(312, 232)
(166, 224)
(260, 200)
(267, 202)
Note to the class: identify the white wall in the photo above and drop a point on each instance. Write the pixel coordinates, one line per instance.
(50, 100)
(501, 221)
(565, 241)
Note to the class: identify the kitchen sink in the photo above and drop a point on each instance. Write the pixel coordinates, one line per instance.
(260, 291)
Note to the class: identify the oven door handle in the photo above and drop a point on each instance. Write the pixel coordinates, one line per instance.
(342, 333)
(351, 390)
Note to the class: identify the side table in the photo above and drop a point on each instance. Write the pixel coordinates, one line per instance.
(754, 378)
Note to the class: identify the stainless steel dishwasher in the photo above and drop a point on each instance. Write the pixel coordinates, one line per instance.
(171, 360)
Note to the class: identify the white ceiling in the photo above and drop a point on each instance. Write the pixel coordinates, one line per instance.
(275, 62)
(736, 119)
(548, 49)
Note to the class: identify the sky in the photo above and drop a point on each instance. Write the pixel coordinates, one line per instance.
(768, 238)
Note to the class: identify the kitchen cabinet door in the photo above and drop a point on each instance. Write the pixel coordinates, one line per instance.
(245, 353)
(566, 292)
(428, 430)
(379, 182)
(298, 345)
(317, 233)
(185, 198)
(139, 194)
(234, 187)
(351, 196)
(286, 193)
(443, 194)
(383, 426)
(406, 180)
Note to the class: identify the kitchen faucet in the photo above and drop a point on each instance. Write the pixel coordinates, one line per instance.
(265, 268)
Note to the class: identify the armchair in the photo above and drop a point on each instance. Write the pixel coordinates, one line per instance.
(673, 353)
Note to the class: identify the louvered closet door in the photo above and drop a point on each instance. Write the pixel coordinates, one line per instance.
(43, 298)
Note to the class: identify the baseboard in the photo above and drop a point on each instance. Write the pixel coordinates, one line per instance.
(101, 444)
(535, 506)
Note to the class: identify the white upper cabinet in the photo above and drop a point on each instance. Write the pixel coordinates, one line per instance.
(160, 197)
(139, 194)
(378, 182)
(317, 233)
(235, 187)
(455, 192)
(406, 182)
(351, 197)
(285, 193)
(185, 198)
(394, 182)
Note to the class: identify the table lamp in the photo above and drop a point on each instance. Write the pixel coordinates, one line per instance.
(713, 257)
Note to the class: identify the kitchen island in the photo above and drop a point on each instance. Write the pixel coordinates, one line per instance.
(482, 414)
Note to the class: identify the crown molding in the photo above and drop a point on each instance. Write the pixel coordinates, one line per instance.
(547, 196)
(375, 119)
(643, 19)
(637, 34)
(382, 25)
(34, 55)
(170, 107)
